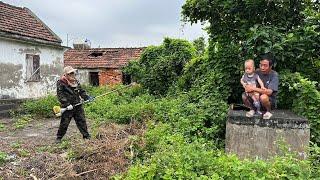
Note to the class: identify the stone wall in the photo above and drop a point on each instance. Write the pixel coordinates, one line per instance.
(258, 138)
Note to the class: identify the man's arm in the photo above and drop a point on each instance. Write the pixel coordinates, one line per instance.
(263, 91)
(261, 83)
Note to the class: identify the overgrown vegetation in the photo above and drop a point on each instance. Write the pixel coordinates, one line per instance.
(159, 67)
(238, 31)
(2, 127)
(41, 107)
(22, 121)
(172, 157)
(123, 106)
(246, 29)
(185, 91)
(306, 101)
(3, 157)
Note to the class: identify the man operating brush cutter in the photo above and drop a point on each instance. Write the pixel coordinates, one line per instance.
(69, 94)
(72, 96)
(58, 110)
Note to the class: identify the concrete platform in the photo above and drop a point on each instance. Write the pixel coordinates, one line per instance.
(258, 138)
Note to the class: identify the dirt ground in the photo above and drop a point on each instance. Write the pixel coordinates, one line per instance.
(31, 152)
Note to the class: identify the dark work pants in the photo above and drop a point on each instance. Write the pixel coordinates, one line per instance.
(78, 114)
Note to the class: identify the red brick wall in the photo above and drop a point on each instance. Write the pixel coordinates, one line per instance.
(110, 77)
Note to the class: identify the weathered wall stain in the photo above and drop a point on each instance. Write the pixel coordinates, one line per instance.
(35, 50)
(14, 69)
(50, 72)
(10, 75)
(83, 76)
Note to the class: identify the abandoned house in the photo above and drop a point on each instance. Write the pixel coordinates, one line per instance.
(101, 66)
(31, 55)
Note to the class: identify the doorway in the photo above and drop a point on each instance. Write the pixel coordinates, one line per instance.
(126, 78)
(94, 78)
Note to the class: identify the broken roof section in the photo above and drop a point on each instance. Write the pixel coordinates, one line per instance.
(101, 57)
(22, 24)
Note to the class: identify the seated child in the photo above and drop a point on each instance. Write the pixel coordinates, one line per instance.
(251, 78)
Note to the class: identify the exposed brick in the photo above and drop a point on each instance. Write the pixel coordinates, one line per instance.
(110, 77)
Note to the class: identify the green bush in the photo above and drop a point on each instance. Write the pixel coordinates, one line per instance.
(302, 96)
(160, 66)
(238, 30)
(121, 113)
(173, 157)
(202, 119)
(314, 158)
(121, 107)
(194, 111)
(41, 107)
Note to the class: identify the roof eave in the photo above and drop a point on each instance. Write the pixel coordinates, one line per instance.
(30, 40)
(92, 67)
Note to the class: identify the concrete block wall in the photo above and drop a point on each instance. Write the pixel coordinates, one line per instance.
(263, 139)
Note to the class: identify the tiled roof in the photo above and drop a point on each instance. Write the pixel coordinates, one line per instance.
(100, 57)
(21, 23)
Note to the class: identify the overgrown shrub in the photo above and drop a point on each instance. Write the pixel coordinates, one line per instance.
(160, 66)
(314, 158)
(246, 29)
(121, 106)
(178, 147)
(305, 99)
(204, 118)
(173, 157)
(41, 107)
(99, 109)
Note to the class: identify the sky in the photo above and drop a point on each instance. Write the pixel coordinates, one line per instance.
(113, 23)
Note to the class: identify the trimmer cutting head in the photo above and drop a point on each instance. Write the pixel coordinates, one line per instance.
(58, 110)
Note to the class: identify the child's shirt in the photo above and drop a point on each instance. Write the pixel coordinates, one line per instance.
(250, 79)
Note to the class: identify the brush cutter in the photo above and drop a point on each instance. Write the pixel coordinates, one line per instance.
(58, 111)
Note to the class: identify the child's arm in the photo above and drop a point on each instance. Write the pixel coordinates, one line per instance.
(242, 82)
(261, 83)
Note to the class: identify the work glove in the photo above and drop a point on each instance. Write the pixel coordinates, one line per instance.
(70, 107)
(91, 98)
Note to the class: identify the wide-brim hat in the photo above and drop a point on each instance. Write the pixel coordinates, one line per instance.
(68, 70)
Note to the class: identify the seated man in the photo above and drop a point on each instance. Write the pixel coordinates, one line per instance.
(270, 80)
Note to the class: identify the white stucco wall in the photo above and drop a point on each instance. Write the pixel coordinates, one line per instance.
(84, 75)
(13, 69)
